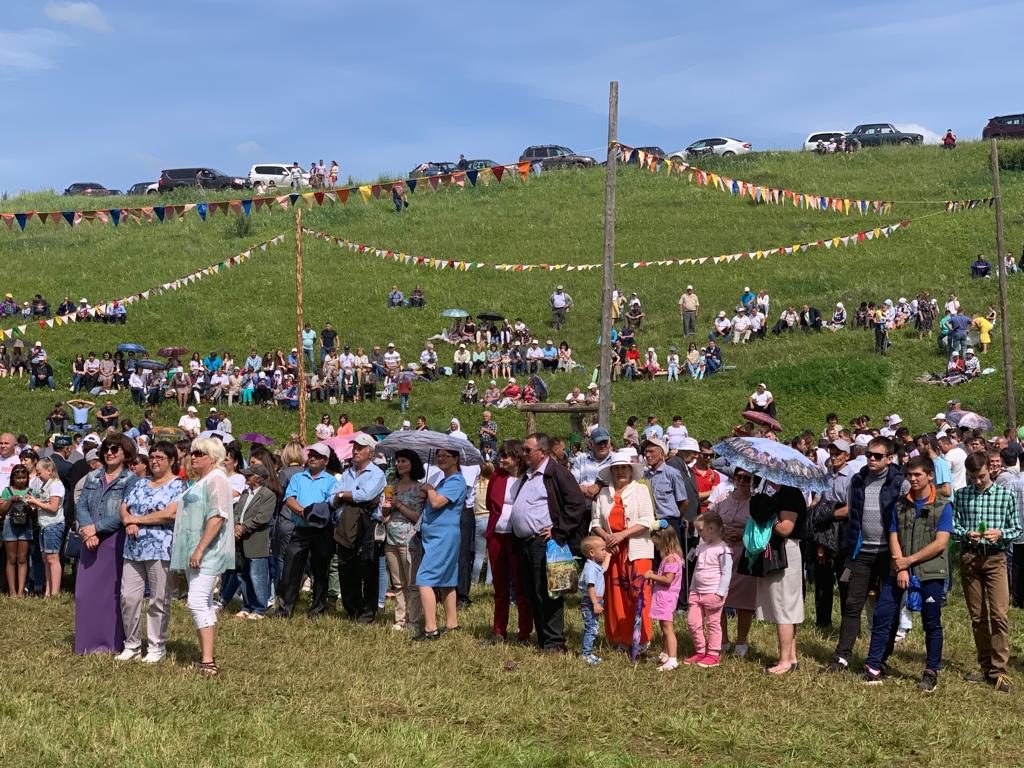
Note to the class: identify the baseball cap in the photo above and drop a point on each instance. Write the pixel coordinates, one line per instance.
(92, 437)
(320, 449)
(365, 440)
(658, 442)
(841, 445)
(406, 423)
(558, 288)
(600, 435)
(689, 287)
(213, 409)
(255, 469)
(939, 417)
(192, 409)
(92, 455)
(952, 402)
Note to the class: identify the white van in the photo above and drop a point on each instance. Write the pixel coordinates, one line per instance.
(277, 175)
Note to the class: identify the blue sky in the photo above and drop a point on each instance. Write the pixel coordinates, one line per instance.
(113, 91)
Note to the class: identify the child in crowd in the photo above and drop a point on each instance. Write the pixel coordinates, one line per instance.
(592, 592)
(667, 581)
(711, 576)
(672, 361)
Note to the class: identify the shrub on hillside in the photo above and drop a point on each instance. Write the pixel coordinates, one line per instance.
(1011, 156)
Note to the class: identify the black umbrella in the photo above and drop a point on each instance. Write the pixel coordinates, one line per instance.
(490, 316)
(147, 364)
(376, 431)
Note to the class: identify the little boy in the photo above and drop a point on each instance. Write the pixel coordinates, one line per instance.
(592, 592)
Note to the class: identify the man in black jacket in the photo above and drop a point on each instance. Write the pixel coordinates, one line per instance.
(810, 318)
(548, 505)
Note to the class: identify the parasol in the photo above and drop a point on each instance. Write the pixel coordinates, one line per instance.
(136, 348)
(257, 437)
(968, 419)
(224, 437)
(172, 351)
(342, 444)
(147, 364)
(774, 461)
(495, 316)
(457, 313)
(424, 442)
(762, 418)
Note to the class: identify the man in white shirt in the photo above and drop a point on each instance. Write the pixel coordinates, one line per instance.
(189, 423)
(740, 327)
(762, 400)
(8, 458)
(534, 357)
(561, 302)
(392, 360)
(956, 456)
(723, 327)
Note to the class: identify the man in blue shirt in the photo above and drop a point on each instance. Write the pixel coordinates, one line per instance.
(959, 325)
(212, 362)
(311, 486)
(550, 355)
(358, 493)
(653, 429)
(667, 485)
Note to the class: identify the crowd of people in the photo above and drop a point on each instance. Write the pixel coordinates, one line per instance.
(39, 308)
(659, 522)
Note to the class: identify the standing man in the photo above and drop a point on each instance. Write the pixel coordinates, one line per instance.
(308, 339)
(358, 494)
(667, 487)
(548, 506)
(986, 522)
(587, 464)
(918, 535)
(874, 492)
(489, 437)
(328, 341)
(561, 303)
(311, 486)
(689, 307)
(830, 534)
(1012, 480)
(956, 457)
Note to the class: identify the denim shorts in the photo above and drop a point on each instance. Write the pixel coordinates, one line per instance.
(17, 532)
(50, 538)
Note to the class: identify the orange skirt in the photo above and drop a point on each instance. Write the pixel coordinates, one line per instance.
(623, 585)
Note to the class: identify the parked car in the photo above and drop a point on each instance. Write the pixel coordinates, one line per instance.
(143, 188)
(1004, 127)
(555, 156)
(206, 178)
(652, 150)
(479, 165)
(811, 144)
(435, 168)
(275, 175)
(88, 189)
(879, 134)
(722, 146)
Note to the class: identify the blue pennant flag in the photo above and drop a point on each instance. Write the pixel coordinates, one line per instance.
(247, 206)
(822, 204)
(69, 217)
(411, 183)
(115, 215)
(159, 211)
(632, 156)
(471, 175)
(293, 197)
(537, 168)
(201, 210)
(735, 187)
(21, 219)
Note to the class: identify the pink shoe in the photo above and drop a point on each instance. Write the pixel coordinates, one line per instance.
(693, 659)
(708, 661)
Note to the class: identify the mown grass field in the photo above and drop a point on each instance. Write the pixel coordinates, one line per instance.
(331, 694)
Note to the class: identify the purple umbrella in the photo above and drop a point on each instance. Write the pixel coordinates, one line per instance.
(257, 437)
(637, 585)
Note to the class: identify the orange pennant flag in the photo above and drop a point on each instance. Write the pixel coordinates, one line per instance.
(524, 170)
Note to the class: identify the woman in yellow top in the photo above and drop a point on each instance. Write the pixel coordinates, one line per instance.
(984, 327)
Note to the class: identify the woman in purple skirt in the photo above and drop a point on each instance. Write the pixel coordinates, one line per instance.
(98, 626)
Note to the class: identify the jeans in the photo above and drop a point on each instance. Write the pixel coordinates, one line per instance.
(883, 634)
(589, 625)
(254, 576)
(673, 372)
(229, 586)
(32, 382)
(403, 403)
(864, 570)
(480, 551)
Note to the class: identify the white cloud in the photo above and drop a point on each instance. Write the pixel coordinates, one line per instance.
(29, 49)
(86, 15)
(930, 136)
(248, 148)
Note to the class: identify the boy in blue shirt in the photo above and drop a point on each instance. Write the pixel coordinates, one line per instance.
(592, 592)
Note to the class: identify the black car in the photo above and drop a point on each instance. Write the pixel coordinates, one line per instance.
(434, 168)
(89, 189)
(555, 156)
(634, 159)
(206, 178)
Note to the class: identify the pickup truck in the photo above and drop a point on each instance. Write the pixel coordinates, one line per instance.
(878, 134)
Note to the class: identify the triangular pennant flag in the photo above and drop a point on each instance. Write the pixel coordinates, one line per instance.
(115, 216)
(471, 175)
(343, 195)
(375, 191)
(365, 192)
(498, 171)
(21, 218)
(293, 197)
(524, 170)
(411, 184)
(201, 210)
(433, 181)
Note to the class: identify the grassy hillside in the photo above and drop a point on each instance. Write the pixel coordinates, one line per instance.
(556, 218)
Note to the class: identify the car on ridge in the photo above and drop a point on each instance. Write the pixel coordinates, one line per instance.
(433, 168)
(202, 177)
(88, 189)
(722, 146)
(1004, 127)
(880, 134)
(276, 175)
(811, 143)
(555, 156)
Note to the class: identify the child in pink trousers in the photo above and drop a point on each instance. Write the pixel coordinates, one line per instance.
(712, 571)
(665, 592)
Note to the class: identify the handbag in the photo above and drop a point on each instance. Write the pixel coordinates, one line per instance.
(73, 544)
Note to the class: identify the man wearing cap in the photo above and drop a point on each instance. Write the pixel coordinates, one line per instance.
(689, 308)
(310, 486)
(587, 464)
(747, 297)
(392, 360)
(829, 532)
(762, 401)
(189, 423)
(740, 326)
(667, 485)
(722, 327)
(254, 512)
(534, 357)
(461, 361)
(42, 372)
(561, 303)
(358, 494)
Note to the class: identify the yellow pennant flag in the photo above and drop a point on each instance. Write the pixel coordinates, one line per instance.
(365, 191)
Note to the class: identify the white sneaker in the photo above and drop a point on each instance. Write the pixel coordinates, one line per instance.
(740, 650)
(398, 627)
(128, 654)
(154, 657)
(242, 615)
(255, 616)
(669, 665)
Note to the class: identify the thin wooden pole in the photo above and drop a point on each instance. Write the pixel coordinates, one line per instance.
(604, 386)
(301, 372)
(1004, 314)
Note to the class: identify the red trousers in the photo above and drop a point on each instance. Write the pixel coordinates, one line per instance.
(505, 573)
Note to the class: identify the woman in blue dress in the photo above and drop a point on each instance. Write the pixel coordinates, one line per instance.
(440, 535)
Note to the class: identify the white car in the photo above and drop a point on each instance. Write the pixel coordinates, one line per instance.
(278, 175)
(718, 145)
(812, 141)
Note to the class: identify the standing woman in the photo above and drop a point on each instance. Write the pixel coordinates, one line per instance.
(623, 514)
(778, 510)
(734, 510)
(441, 534)
(98, 627)
(501, 542)
(403, 506)
(148, 512)
(204, 545)
(630, 436)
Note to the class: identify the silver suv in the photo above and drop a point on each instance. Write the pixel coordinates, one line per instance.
(553, 156)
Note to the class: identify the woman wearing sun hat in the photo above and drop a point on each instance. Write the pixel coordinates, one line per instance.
(622, 516)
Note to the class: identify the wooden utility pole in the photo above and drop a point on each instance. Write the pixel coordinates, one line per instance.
(300, 387)
(604, 386)
(1004, 316)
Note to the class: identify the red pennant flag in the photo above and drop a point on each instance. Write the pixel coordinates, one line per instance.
(498, 171)
(433, 182)
(387, 188)
(8, 219)
(319, 197)
(460, 179)
(375, 191)
(446, 180)
(524, 170)
(860, 237)
(236, 206)
(343, 195)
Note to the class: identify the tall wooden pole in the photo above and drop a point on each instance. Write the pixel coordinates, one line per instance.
(301, 372)
(1004, 316)
(604, 387)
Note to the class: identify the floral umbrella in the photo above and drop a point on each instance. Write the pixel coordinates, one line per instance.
(774, 461)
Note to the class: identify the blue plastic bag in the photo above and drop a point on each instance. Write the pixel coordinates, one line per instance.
(914, 599)
(562, 574)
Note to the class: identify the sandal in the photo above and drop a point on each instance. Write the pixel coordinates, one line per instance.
(435, 635)
(207, 668)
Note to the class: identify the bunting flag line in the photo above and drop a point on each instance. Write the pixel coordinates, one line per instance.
(843, 241)
(172, 285)
(953, 206)
(245, 206)
(758, 193)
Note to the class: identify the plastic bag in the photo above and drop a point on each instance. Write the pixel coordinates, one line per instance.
(561, 569)
(914, 598)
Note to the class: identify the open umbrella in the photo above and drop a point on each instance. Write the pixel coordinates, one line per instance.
(136, 348)
(455, 313)
(257, 437)
(342, 444)
(167, 433)
(147, 364)
(759, 417)
(490, 316)
(969, 419)
(224, 437)
(172, 351)
(774, 461)
(19, 344)
(375, 431)
(425, 442)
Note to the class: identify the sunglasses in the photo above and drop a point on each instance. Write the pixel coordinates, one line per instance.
(707, 455)
(110, 449)
(877, 456)
(197, 454)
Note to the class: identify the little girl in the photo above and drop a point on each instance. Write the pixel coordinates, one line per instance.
(665, 591)
(672, 361)
(711, 576)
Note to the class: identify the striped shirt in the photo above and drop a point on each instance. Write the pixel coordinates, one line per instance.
(993, 507)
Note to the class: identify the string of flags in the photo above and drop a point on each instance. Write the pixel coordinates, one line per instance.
(100, 310)
(244, 207)
(953, 206)
(868, 235)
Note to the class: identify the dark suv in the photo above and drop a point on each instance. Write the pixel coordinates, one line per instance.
(206, 178)
(1004, 127)
(88, 189)
(554, 156)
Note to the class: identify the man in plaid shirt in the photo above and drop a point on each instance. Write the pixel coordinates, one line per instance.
(985, 521)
